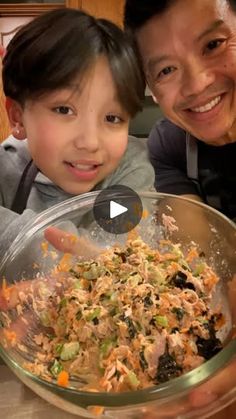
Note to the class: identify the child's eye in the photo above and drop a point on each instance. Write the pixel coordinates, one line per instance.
(114, 119)
(214, 44)
(64, 110)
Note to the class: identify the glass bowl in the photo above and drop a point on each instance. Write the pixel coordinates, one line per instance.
(199, 393)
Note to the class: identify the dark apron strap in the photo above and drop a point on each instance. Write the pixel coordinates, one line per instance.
(192, 157)
(24, 188)
(192, 163)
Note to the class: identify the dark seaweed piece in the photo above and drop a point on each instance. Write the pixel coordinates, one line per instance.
(179, 280)
(190, 286)
(174, 330)
(117, 374)
(122, 255)
(129, 251)
(179, 312)
(167, 368)
(208, 347)
(74, 273)
(113, 311)
(152, 322)
(131, 327)
(142, 361)
(147, 300)
(78, 315)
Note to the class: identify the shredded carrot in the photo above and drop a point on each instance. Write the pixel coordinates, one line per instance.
(145, 214)
(210, 280)
(65, 263)
(73, 238)
(63, 379)
(192, 254)
(10, 336)
(96, 410)
(44, 247)
(6, 291)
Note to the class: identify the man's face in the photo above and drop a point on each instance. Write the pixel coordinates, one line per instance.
(189, 57)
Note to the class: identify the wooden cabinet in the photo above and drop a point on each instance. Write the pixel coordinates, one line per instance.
(12, 17)
(109, 9)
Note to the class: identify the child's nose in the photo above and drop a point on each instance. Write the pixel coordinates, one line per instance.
(88, 136)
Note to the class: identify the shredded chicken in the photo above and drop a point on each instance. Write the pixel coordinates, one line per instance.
(131, 318)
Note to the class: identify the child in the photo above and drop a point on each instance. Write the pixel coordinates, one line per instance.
(72, 84)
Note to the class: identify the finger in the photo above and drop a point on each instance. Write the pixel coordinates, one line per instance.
(219, 385)
(61, 240)
(70, 243)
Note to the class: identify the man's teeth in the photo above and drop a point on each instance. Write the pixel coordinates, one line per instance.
(208, 106)
(83, 166)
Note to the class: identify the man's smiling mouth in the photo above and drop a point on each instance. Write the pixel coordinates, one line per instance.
(208, 106)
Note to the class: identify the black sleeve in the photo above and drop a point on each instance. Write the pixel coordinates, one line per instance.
(167, 152)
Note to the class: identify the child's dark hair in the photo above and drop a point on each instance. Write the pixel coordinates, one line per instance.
(55, 48)
(138, 12)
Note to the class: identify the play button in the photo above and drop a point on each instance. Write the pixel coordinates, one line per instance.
(118, 209)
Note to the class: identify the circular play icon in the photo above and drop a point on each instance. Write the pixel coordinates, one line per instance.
(118, 209)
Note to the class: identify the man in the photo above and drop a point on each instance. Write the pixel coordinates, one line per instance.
(188, 49)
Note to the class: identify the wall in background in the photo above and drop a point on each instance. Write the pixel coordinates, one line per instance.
(143, 122)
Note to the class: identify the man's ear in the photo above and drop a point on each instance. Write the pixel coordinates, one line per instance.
(15, 113)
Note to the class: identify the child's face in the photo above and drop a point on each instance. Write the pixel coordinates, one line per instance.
(77, 137)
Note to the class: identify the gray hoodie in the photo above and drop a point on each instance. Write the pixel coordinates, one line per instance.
(134, 171)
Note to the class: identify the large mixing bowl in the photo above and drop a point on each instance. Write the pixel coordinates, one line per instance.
(182, 397)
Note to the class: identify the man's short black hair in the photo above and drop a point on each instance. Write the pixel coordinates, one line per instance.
(138, 12)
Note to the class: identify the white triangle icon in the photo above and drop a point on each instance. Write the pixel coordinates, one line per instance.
(116, 209)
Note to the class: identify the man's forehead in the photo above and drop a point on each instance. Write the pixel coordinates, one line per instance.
(196, 9)
(167, 30)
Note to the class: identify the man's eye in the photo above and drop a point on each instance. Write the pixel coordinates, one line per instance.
(114, 119)
(165, 71)
(215, 43)
(64, 110)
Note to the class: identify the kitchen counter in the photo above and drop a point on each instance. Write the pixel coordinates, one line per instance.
(19, 402)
